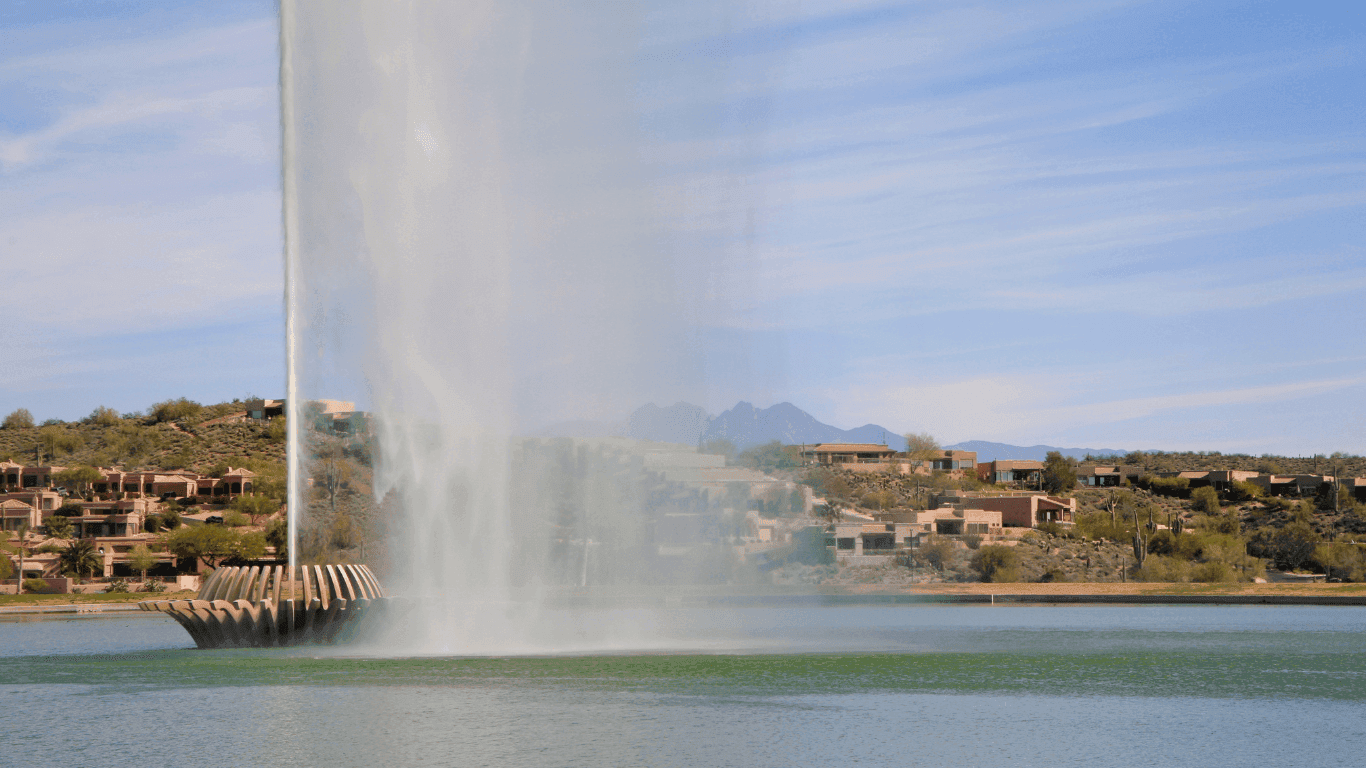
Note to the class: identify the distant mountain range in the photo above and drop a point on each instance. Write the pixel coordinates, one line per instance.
(991, 451)
(746, 426)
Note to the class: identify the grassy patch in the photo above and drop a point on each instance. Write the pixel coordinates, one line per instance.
(132, 597)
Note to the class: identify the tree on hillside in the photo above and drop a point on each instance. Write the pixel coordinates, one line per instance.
(922, 446)
(54, 441)
(255, 507)
(174, 410)
(103, 417)
(77, 477)
(19, 418)
(1059, 473)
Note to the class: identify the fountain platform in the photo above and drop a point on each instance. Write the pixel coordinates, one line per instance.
(259, 607)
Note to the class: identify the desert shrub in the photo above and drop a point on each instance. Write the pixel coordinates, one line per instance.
(936, 553)
(1289, 547)
(1166, 486)
(1054, 575)
(152, 523)
(19, 418)
(1214, 571)
(1050, 528)
(234, 519)
(878, 500)
(277, 535)
(1206, 499)
(826, 483)
(118, 587)
(153, 586)
(103, 417)
(972, 540)
(170, 518)
(1341, 560)
(275, 430)
(996, 563)
(1245, 491)
(36, 586)
(1163, 568)
(174, 410)
(1097, 525)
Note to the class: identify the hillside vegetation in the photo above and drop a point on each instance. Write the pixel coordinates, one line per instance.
(176, 434)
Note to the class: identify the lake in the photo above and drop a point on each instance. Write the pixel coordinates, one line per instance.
(759, 686)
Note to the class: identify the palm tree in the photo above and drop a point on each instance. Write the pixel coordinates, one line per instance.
(79, 556)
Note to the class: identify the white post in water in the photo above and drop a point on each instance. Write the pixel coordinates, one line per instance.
(289, 191)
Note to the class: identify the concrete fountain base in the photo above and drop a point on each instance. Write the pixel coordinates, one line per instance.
(273, 606)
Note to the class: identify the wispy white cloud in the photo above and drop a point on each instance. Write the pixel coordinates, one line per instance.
(1039, 407)
(122, 110)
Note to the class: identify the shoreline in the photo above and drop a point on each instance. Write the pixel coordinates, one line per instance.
(1019, 594)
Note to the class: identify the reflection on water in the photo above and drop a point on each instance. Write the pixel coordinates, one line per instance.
(944, 685)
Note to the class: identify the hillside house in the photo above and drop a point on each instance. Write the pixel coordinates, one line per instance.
(847, 453)
(1020, 510)
(15, 476)
(1106, 476)
(1011, 472)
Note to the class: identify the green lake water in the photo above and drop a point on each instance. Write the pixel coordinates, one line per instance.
(906, 685)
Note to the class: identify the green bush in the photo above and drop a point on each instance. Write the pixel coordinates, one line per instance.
(235, 519)
(155, 587)
(37, 586)
(1245, 491)
(1206, 499)
(1214, 571)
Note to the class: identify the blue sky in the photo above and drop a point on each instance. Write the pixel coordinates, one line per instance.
(1107, 224)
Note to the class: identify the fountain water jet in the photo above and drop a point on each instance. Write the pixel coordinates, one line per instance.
(484, 233)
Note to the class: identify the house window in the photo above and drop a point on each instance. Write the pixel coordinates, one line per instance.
(845, 543)
(30, 481)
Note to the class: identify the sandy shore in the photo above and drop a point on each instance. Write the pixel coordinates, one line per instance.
(1132, 588)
